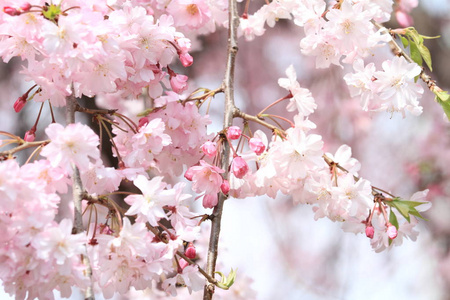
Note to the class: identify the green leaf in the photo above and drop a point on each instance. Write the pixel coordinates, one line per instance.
(402, 208)
(415, 54)
(425, 55)
(405, 41)
(414, 212)
(226, 282)
(442, 97)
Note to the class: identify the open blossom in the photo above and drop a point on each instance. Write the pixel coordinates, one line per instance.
(149, 206)
(206, 178)
(301, 100)
(59, 242)
(73, 144)
(391, 90)
(396, 87)
(191, 13)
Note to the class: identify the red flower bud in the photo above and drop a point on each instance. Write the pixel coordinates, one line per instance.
(234, 132)
(370, 231)
(11, 11)
(190, 251)
(20, 103)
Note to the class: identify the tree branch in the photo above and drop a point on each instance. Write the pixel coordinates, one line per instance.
(228, 88)
(77, 193)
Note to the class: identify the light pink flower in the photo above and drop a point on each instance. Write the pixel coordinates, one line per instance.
(73, 144)
(206, 178)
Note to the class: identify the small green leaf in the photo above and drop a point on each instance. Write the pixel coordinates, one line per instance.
(414, 212)
(415, 54)
(442, 97)
(425, 55)
(403, 209)
(405, 41)
(226, 282)
(412, 33)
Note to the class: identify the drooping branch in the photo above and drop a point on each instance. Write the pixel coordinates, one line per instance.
(228, 88)
(77, 193)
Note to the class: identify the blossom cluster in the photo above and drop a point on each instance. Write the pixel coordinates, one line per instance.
(345, 34)
(116, 49)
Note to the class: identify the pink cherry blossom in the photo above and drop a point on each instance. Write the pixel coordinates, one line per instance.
(206, 178)
(73, 144)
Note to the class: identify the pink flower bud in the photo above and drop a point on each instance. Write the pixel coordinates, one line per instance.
(11, 11)
(370, 231)
(239, 167)
(20, 103)
(182, 264)
(25, 7)
(209, 148)
(143, 121)
(234, 132)
(189, 174)
(391, 231)
(178, 83)
(257, 145)
(403, 18)
(186, 59)
(30, 136)
(210, 200)
(225, 187)
(190, 251)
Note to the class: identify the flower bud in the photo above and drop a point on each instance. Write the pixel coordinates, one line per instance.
(25, 7)
(186, 59)
(391, 231)
(143, 121)
(210, 200)
(239, 167)
(11, 11)
(225, 187)
(370, 232)
(209, 148)
(257, 145)
(190, 251)
(30, 136)
(178, 83)
(234, 132)
(20, 103)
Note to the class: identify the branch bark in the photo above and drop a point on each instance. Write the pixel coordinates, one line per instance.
(230, 108)
(77, 193)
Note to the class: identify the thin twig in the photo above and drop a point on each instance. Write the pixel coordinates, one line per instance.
(228, 88)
